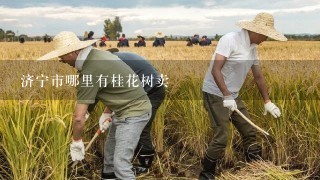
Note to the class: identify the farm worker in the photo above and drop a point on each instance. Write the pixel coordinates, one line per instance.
(235, 55)
(123, 41)
(130, 104)
(156, 93)
(89, 36)
(159, 41)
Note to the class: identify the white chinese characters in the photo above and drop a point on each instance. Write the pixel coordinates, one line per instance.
(87, 80)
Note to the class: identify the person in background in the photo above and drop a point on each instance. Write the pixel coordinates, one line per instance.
(208, 41)
(195, 39)
(141, 42)
(90, 37)
(103, 41)
(21, 39)
(189, 42)
(123, 41)
(235, 54)
(85, 35)
(46, 38)
(159, 41)
(205, 41)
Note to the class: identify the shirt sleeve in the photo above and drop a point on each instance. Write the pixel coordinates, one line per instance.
(225, 46)
(87, 89)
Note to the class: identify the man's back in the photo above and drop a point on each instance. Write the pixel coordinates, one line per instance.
(141, 67)
(112, 84)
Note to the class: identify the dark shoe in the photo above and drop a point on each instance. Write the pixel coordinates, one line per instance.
(145, 160)
(253, 154)
(206, 176)
(137, 170)
(108, 176)
(209, 169)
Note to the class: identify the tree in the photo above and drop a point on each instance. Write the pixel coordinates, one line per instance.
(117, 26)
(112, 28)
(217, 37)
(113, 33)
(1, 34)
(10, 34)
(107, 27)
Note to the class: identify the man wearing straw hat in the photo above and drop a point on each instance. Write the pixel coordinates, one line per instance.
(130, 104)
(235, 55)
(159, 41)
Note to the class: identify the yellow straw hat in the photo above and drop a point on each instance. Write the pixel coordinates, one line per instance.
(64, 43)
(263, 23)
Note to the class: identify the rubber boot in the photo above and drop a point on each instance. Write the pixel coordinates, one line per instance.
(253, 155)
(145, 163)
(209, 169)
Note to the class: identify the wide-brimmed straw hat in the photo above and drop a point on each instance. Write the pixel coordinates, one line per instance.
(159, 35)
(64, 43)
(263, 23)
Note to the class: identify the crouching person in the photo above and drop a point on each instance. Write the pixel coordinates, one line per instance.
(141, 42)
(145, 150)
(130, 104)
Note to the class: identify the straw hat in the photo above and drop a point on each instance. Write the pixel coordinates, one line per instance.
(263, 23)
(64, 43)
(159, 35)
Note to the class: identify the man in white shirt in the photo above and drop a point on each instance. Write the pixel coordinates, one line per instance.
(235, 55)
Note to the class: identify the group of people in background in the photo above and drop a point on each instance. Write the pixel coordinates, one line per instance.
(195, 40)
(89, 36)
(124, 42)
(158, 42)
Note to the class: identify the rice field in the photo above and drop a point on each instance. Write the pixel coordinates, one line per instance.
(35, 123)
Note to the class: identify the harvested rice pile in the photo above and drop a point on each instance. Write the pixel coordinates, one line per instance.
(261, 170)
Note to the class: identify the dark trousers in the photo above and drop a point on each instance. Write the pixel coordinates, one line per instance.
(221, 117)
(156, 96)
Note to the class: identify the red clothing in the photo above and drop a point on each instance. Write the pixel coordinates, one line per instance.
(103, 39)
(122, 39)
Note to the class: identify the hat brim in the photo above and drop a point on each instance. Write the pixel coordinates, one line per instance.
(159, 35)
(63, 51)
(270, 32)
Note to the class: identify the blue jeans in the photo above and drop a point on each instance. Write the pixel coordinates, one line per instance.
(120, 145)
